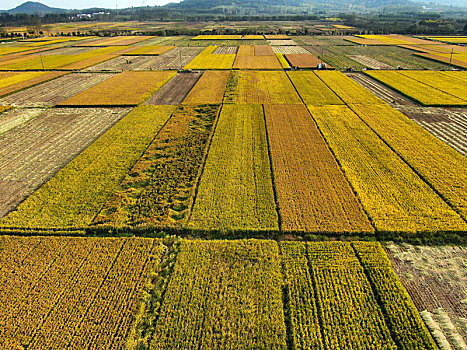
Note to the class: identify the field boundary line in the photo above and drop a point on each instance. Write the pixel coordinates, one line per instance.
(271, 167)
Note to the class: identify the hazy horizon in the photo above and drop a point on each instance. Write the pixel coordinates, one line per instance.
(68, 4)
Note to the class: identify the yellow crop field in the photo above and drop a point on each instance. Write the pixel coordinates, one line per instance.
(313, 194)
(88, 288)
(8, 50)
(348, 90)
(74, 196)
(5, 108)
(209, 89)
(440, 165)
(14, 81)
(428, 95)
(124, 89)
(232, 288)
(394, 197)
(264, 87)
(235, 192)
(208, 60)
(450, 39)
(37, 62)
(149, 50)
(253, 37)
(312, 89)
(217, 37)
(282, 61)
(255, 57)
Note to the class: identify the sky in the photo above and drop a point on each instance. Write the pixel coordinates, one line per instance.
(73, 4)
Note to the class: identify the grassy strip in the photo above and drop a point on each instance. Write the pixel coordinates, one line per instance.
(235, 191)
(395, 198)
(402, 317)
(75, 194)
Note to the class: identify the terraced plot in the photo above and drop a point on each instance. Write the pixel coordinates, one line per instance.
(235, 191)
(54, 92)
(35, 150)
(59, 293)
(312, 192)
(73, 197)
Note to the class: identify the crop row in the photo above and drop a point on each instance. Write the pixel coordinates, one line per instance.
(159, 189)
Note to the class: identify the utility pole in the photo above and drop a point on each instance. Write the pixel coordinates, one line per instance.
(180, 51)
(42, 63)
(452, 51)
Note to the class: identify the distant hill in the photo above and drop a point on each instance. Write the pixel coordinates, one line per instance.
(32, 7)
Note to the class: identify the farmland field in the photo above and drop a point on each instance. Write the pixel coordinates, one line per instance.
(223, 191)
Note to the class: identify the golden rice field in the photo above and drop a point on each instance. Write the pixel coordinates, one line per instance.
(185, 195)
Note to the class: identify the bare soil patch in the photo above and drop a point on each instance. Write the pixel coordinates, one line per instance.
(175, 91)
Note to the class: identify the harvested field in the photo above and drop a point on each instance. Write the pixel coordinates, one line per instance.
(370, 62)
(13, 118)
(435, 279)
(124, 89)
(232, 288)
(62, 293)
(56, 91)
(175, 91)
(209, 89)
(312, 192)
(35, 150)
(74, 196)
(160, 188)
(313, 90)
(448, 124)
(264, 87)
(149, 50)
(289, 49)
(392, 194)
(226, 50)
(235, 191)
(116, 41)
(14, 81)
(304, 60)
(278, 42)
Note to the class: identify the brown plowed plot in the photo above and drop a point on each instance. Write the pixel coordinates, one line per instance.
(223, 50)
(263, 50)
(160, 188)
(313, 193)
(370, 62)
(56, 91)
(124, 89)
(289, 49)
(34, 151)
(304, 60)
(175, 91)
(435, 279)
(73, 293)
(209, 89)
(448, 124)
